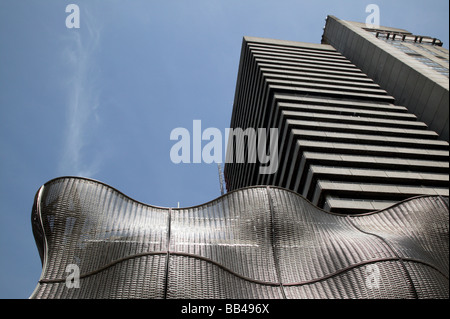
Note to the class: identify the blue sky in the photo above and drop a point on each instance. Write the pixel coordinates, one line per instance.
(100, 101)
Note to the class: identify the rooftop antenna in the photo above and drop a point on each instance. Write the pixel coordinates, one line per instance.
(220, 179)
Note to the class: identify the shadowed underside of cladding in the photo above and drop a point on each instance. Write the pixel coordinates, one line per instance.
(256, 242)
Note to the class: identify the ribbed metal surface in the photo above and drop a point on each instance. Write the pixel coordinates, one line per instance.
(257, 242)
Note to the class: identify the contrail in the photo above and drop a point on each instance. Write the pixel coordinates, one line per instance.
(82, 100)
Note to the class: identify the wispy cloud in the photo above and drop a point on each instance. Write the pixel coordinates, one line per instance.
(82, 99)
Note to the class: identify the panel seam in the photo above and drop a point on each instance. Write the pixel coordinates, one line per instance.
(400, 259)
(274, 251)
(166, 275)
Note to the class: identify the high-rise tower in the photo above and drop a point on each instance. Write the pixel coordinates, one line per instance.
(344, 142)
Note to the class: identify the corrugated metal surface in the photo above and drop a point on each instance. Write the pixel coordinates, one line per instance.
(257, 242)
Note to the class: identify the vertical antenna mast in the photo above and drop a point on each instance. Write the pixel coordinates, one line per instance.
(220, 179)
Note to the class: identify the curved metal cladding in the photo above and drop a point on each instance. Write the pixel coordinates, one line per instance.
(257, 242)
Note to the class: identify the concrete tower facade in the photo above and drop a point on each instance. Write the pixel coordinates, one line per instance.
(344, 142)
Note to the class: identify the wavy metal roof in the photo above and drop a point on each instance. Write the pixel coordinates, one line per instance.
(256, 242)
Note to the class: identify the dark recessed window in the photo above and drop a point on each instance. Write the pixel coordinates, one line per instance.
(414, 54)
